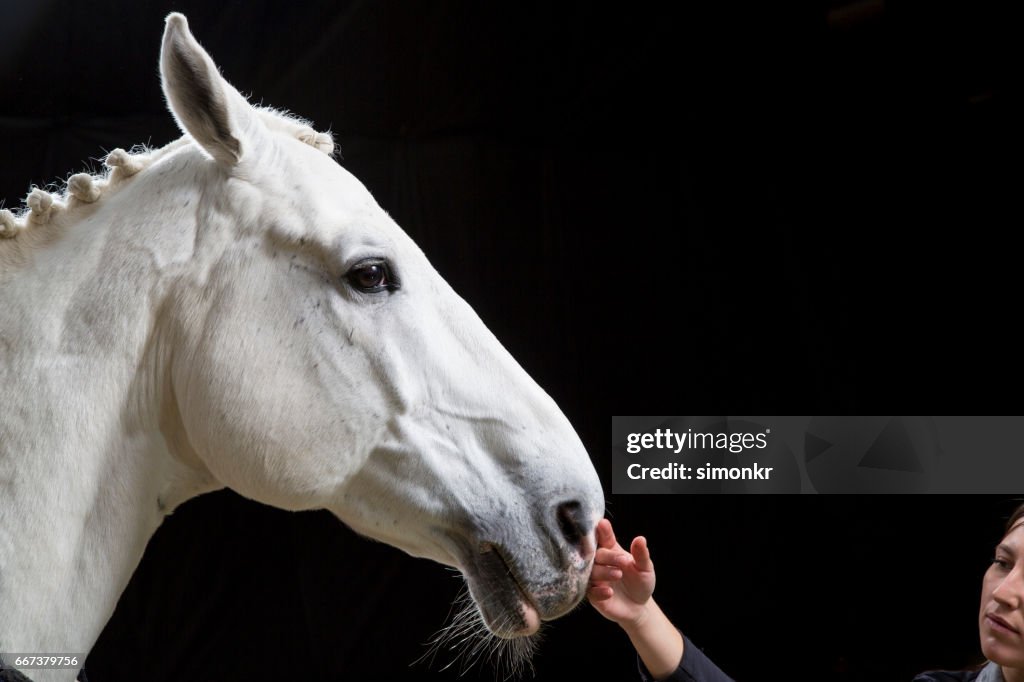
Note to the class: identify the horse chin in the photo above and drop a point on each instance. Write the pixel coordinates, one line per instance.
(506, 607)
(509, 608)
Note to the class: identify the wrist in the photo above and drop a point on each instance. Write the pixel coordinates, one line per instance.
(642, 620)
(658, 642)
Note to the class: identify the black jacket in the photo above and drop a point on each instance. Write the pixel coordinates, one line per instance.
(696, 667)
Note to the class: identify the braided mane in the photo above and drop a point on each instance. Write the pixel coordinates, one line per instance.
(82, 189)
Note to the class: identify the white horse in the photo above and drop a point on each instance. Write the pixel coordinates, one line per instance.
(235, 310)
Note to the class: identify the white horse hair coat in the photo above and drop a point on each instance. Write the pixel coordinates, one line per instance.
(235, 310)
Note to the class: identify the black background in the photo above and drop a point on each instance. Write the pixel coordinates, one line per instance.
(710, 209)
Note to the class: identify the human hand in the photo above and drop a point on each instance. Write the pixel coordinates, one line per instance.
(621, 582)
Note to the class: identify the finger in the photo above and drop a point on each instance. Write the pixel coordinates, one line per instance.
(605, 573)
(641, 554)
(605, 534)
(613, 557)
(600, 593)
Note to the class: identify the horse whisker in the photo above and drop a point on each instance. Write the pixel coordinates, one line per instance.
(468, 638)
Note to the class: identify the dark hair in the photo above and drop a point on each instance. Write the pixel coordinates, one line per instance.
(1016, 518)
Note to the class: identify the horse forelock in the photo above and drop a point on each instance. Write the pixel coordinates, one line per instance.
(297, 127)
(41, 206)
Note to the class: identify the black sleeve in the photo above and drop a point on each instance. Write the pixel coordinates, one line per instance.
(694, 667)
(947, 676)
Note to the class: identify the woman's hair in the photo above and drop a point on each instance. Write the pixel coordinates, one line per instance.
(1016, 518)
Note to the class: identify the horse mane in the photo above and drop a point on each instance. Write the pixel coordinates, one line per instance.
(83, 189)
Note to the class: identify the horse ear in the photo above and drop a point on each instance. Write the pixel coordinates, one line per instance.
(205, 105)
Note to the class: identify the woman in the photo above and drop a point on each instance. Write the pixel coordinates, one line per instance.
(622, 584)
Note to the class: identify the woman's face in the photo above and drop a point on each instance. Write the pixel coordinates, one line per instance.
(1001, 621)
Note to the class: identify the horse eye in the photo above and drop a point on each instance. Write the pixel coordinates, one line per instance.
(371, 276)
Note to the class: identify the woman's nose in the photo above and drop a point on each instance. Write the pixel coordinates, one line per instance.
(1010, 592)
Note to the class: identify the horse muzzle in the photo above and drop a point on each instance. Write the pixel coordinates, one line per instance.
(532, 577)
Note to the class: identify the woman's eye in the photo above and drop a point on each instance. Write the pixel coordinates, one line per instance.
(1000, 562)
(371, 276)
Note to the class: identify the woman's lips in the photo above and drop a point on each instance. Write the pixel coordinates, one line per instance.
(1000, 625)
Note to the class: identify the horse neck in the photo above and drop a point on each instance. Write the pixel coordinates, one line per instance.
(91, 453)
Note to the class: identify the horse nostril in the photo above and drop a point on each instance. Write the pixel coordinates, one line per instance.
(572, 522)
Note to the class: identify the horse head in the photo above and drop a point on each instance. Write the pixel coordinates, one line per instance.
(318, 360)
